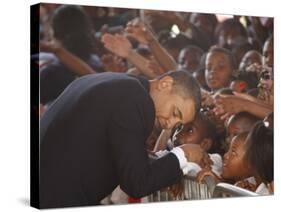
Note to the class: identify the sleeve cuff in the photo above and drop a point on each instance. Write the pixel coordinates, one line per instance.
(161, 153)
(191, 169)
(180, 155)
(188, 168)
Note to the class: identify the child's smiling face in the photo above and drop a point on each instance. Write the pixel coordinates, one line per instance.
(235, 167)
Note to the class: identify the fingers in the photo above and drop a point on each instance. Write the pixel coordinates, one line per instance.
(107, 38)
(202, 174)
(109, 41)
(206, 162)
(219, 110)
(225, 116)
(155, 67)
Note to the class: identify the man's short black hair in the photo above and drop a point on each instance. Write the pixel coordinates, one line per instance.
(186, 86)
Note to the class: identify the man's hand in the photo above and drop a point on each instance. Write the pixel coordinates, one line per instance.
(194, 153)
(139, 31)
(117, 44)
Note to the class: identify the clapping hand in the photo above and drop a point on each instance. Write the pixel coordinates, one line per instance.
(117, 44)
(139, 31)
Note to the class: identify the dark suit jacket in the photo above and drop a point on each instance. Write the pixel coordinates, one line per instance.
(55, 77)
(93, 138)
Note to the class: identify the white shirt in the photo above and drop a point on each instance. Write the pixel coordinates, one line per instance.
(190, 168)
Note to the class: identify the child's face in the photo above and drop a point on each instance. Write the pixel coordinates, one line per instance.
(233, 128)
(268, 54)
(192, 133)
(218, 70)
(228, 37)
(250, 58)
(202, 22)
(235, 167)
(189, 60)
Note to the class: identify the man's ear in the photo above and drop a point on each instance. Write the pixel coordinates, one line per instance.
(206, 144)
(166, 83)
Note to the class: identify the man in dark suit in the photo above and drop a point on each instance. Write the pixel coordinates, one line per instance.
(92, 138)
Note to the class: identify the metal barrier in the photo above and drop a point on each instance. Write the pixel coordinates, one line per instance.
(192, 191)
(228, 190)
(207, 189)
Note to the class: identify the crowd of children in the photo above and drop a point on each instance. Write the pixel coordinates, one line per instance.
(231, 57)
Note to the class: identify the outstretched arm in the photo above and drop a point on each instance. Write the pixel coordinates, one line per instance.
(121, 46)
(143, 34)
(73, 62)
(230, 104)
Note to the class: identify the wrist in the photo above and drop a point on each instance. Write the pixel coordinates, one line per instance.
(152, 40)
(178, 151)
(57, 49)
(130, 54)
(244, 107)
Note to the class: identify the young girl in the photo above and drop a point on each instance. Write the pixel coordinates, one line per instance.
(235, 166)
(239, 123)
(259, 153)
(201, 131)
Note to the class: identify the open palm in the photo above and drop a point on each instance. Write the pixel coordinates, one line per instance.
(117, 44)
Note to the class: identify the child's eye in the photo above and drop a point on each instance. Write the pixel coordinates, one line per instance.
(221, 66)
(190, 130)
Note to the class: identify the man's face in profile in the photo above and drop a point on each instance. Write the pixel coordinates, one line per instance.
(170, 107)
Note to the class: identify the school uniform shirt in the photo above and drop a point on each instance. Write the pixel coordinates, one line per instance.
(92, 139)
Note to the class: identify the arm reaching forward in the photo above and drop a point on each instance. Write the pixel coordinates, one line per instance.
(141, 33)
(73, 62)
(121, 46)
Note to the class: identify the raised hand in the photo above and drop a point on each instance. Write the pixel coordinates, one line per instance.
(117, 44)
(139, 31)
